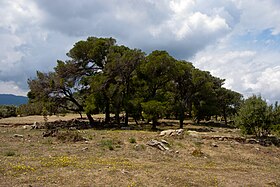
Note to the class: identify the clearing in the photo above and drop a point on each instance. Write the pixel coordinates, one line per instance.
(123, 158)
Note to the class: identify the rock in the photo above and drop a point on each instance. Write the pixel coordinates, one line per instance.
(85, 148)
(193, 133)
(25, 127)
(35, 125)
(221, 139)
(251, 141)
(124, 171)
(214, 145)
(165, 142)
(172, 132)
(177, 152)
(18, 135)
(160, 145)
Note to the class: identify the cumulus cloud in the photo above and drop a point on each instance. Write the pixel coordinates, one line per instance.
(235, 39)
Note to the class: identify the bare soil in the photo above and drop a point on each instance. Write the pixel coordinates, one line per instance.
(123, 158)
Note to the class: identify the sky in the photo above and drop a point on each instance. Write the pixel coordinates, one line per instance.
(237, 40)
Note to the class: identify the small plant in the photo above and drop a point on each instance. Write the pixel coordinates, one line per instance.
(22, 168)
(197, 153)
(108, 144)
(132, 140)
(60, 161)
(10, 153)
(70, 136)
(45, 114)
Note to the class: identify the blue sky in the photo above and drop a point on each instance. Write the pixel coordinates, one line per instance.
(237, 40)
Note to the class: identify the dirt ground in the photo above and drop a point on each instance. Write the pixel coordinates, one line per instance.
(123, 158)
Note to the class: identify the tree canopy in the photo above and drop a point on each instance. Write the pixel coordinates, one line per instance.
(103, 77)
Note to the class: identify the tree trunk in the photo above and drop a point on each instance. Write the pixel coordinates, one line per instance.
(181, 118)
(107, 112)
(181, 123)
(154, 123)
(126, 119)
(225, 116)
(117, 117)
(81, 116)
(91, 121)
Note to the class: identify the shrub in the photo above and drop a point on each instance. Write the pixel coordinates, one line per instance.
(10, 153)
(70, 136)
(255, 117)
(8, 111)
(108, 144)
(132, 140)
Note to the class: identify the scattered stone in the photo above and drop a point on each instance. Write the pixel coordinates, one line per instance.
(172, 132)
(193, 133)
(35, 125)
(18, 136)
(165, 142)
(26, 127)
(214, 145)
(85, 148)
(251, 141)
(124, 171)
(158, 144)
(221, 139)
(177, 152)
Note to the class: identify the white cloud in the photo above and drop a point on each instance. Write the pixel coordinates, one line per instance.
(237, 40)
(11, 87)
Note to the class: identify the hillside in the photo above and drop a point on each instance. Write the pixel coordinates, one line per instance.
(9, 99)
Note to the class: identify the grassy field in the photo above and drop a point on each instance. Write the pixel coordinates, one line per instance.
(123, 158)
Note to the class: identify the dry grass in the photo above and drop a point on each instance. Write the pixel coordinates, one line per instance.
(40, 118)
(37, 161)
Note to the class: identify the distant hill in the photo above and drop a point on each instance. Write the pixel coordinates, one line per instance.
(9, 99)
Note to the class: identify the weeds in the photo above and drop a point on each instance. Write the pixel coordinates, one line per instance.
(132, 140)
(9, 153)
(70, 136)
(197, 153)
(107, 143)
(61, 161)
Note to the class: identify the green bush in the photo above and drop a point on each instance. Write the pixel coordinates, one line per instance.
(132, 140)
(8, 111)
(255, 117)
(108, 144)
(10, 153)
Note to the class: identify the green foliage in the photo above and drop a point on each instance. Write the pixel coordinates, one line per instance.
(255, 117)
(107, 143)
(132, 140)
(10, 153)
(101, 76)
(8, 111)
(153, 110)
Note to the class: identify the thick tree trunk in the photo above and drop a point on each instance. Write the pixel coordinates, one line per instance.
(126, 119)
(117, 117)
(181, 123)
(91, 121)
(107, 112)
(154, 123)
